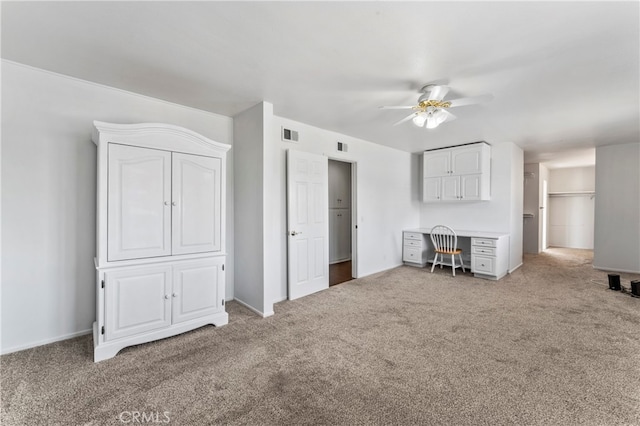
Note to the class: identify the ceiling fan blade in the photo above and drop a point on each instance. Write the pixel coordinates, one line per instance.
(470, 101)
(397, 107)
(407, 118)
(450, 117)
(438, 93)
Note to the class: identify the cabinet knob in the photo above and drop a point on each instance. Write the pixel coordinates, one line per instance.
(173, 203)
(174, 295)
(294, 233)
(166, 296)
(166, 203)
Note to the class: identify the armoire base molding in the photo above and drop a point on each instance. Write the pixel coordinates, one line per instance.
(106, 350)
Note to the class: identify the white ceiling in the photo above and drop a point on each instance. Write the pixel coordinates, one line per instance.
(564, 75)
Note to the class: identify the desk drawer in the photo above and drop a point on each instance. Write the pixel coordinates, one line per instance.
(483, 265)
(413, 243)
(412, 254)
(487, 251)
(412, 236)
(483, 242)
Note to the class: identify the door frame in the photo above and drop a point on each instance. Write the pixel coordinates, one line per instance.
(354, 212)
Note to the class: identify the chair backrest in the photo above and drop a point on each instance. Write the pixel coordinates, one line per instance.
(444, 238)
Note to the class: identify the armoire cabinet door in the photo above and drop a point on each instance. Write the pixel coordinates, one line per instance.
(139, 193)
(137, 301)
(196, 198)
(198, 289)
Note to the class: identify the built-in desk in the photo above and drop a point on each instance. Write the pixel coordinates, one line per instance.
(486, 254)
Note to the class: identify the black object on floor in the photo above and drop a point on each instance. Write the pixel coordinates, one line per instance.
(614, 282)
(635, 288)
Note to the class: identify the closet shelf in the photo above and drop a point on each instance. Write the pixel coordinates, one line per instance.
(571, 193)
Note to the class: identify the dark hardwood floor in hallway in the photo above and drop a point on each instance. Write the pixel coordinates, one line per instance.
(339, 273)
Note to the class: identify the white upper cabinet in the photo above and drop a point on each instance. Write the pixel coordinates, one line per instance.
(460, 173)
(467, 160)
(437, 163)
(139, 217)
(195, 204)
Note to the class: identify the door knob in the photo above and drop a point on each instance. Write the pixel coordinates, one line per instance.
(294, 233)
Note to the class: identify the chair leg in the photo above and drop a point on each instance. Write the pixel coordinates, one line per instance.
(453, 265)
(435, 259)
(461, 263)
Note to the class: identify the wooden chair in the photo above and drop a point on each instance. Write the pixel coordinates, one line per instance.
(445, 241)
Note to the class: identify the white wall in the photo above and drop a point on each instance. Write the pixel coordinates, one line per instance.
(543, 243)
(494, 215)
(572, 179)
(571, 217)
(49, 196)
(617, 208)
(517, 197)
(248, 131)
(386, 191)
(531, 205)
(536, 204)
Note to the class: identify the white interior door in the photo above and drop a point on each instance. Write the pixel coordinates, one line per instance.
(308, 224)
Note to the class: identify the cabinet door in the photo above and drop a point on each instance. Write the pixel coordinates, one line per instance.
(196, 200)
(198, 289)
(470, 187)
(466, 160)
(436, 163)
(333, 235)
(137, 301)
(450, 188)
(139, 194)
(431, 189)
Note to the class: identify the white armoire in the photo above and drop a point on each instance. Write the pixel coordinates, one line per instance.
(160, 234)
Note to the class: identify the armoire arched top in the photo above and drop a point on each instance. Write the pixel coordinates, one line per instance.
(157, 136)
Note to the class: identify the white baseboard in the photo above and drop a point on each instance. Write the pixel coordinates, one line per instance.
(626, 271)
(513, 269)
(251, 308)
(280, 299)
(44, 342)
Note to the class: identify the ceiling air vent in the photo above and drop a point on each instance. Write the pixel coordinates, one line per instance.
(289, 135)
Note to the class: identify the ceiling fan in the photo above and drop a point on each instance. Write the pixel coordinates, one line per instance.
(432, 109)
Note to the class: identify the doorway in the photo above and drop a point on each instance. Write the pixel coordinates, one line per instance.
(341, 222)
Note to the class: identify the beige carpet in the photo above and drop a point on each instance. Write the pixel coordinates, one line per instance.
(549, 344)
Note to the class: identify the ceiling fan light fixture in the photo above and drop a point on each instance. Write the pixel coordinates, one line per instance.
(432, 123)
(419, 119)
